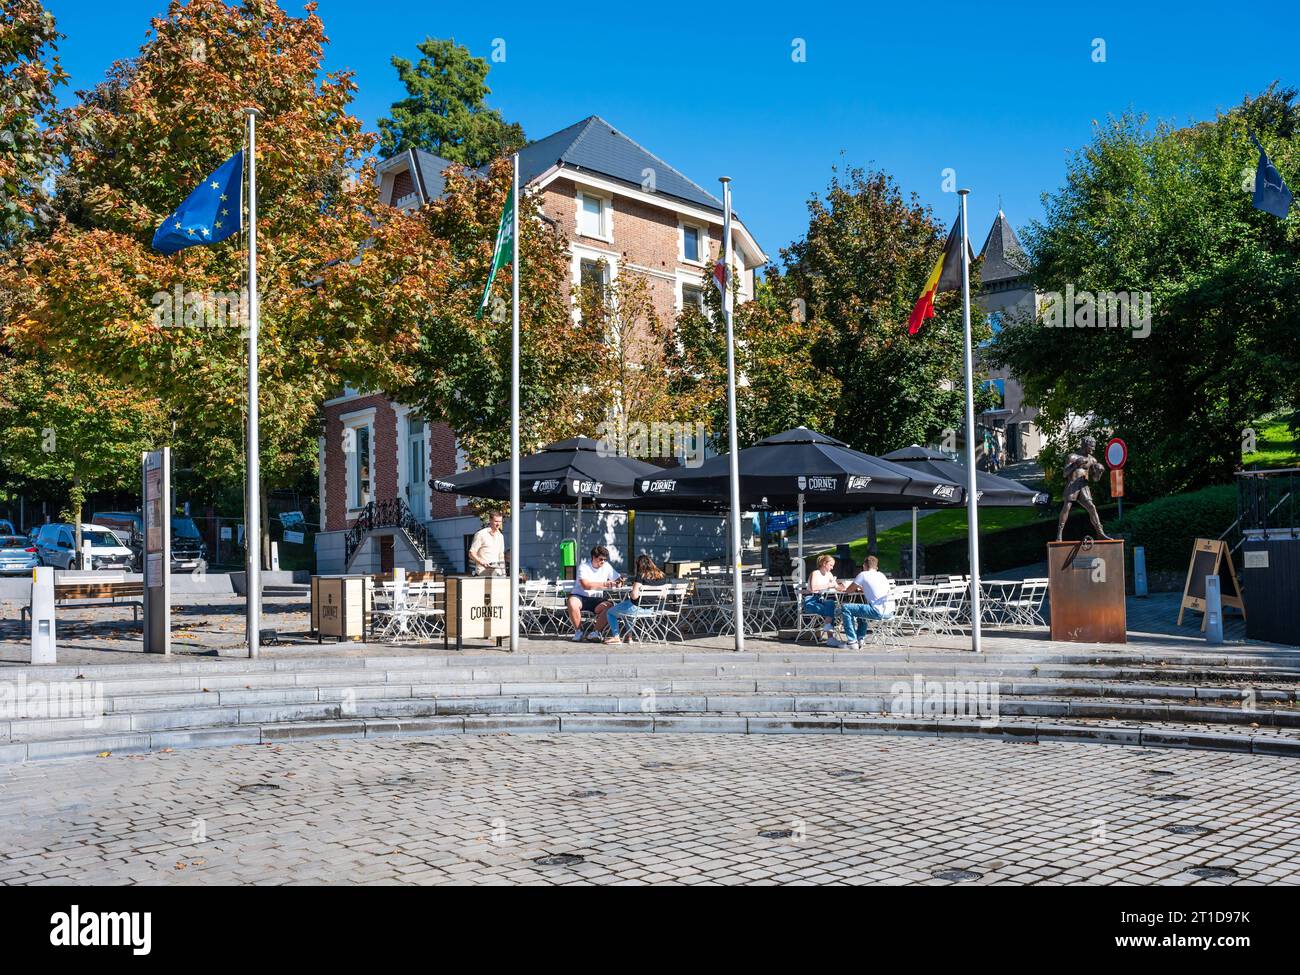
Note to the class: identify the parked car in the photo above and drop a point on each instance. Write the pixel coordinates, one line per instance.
(189, 551)
(56, 546)
(17, 555)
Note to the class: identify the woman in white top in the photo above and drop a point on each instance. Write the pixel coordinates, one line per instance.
(818, 602)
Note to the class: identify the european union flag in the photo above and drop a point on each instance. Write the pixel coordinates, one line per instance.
(1271, 192)
(211, 213)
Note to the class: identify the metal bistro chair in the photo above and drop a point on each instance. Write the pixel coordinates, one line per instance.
(761, 613)
(808, 622)
(641, 624)
(942, 614)
(1027, 608)
(667, 625)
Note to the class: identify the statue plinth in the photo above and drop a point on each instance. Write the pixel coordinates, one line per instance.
(1085, 584)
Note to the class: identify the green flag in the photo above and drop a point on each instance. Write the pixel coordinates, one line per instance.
(505, 251)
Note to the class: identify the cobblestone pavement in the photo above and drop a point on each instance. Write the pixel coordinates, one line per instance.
(648, 809)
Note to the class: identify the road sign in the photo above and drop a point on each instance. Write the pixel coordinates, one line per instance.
(1117, 482)
(1116, 452)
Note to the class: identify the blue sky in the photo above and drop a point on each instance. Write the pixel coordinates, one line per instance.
(1001, 93)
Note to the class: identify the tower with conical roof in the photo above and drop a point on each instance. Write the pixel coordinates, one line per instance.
(1007, 297)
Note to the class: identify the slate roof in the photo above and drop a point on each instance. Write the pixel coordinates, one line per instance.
(595, 146)
(1004, 258)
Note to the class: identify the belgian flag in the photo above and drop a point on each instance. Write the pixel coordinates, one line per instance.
(946, 276)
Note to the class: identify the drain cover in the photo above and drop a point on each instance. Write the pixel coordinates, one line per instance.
(1212, 871)
(586, 794)
(452, 761)
(956, 875)
(399, 780)
(258, 787)
(843, 773)
(560, 859)
(1157, 771)
(1172, 797)
(656, 764)
(776, 834)
(1189, 830)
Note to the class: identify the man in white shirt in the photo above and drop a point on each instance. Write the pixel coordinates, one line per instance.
(487, 552)
(588, 594)
(877, 602)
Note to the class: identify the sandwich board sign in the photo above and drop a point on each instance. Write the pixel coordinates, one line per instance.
(1210, 556)
(156, 474)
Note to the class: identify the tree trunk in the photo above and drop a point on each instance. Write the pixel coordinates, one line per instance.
(264, 529)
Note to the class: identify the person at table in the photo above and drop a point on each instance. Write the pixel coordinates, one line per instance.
(487, 552)
(819, 601)
(877, 602)
(588, 593)
(647, 574)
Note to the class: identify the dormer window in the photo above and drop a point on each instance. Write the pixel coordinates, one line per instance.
(403, 185)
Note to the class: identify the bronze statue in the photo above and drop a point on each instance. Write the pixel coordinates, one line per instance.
(1079, 469)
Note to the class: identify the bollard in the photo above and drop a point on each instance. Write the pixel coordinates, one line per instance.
(87, 560)
(1213, 611)
(1139, 571)
(275, 556)
(43, 646)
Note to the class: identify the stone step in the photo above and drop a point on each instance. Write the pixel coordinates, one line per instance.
(161, 699)
(1281, 661)
(114, 685)
(727, 701)
(1010, 729)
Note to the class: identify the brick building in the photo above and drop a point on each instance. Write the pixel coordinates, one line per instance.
(623, 210)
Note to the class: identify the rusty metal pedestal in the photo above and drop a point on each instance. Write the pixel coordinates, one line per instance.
(1085, 581)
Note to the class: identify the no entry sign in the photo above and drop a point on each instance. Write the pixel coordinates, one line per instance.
(1116, 452)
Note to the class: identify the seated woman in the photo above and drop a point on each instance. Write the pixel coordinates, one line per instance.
(647, 573)
(818, 602)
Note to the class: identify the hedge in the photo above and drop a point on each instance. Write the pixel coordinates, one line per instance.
(1168, 527)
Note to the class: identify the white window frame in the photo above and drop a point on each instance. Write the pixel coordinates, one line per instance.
(606, 215)
(703, 243)
(356, 421)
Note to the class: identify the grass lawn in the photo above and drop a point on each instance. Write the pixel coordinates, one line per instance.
(1274, 446)
(943, 526)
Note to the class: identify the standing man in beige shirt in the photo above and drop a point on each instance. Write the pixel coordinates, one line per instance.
(487, 553)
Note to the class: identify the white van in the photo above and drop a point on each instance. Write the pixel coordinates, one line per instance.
(55, 544)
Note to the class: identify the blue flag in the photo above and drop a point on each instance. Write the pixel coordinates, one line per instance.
(1271, 192)
(211, 213)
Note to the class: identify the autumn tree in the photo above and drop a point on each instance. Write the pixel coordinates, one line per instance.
(444, 111)
(29, 75)
(461, 368)
(858, 271)
(330, 256)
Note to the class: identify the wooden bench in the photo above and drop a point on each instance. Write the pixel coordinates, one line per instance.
(90, 595)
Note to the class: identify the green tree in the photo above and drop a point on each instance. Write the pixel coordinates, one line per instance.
(74, 429)
(1166, 212)
(444, 111)
(778, 383)
(859, 270)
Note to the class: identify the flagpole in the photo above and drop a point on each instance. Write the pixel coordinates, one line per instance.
(972, 511)
(738, 606)
(253, 497)
(514, 413)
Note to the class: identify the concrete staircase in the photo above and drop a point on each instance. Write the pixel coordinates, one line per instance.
(1235, 700)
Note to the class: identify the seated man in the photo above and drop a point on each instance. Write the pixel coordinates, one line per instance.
(588, 594)
(877, 604)
(819, 602)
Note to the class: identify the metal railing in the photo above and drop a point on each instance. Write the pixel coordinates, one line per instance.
(1267, 501)
(388, 513)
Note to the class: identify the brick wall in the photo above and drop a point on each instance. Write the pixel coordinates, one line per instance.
(383, 475)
